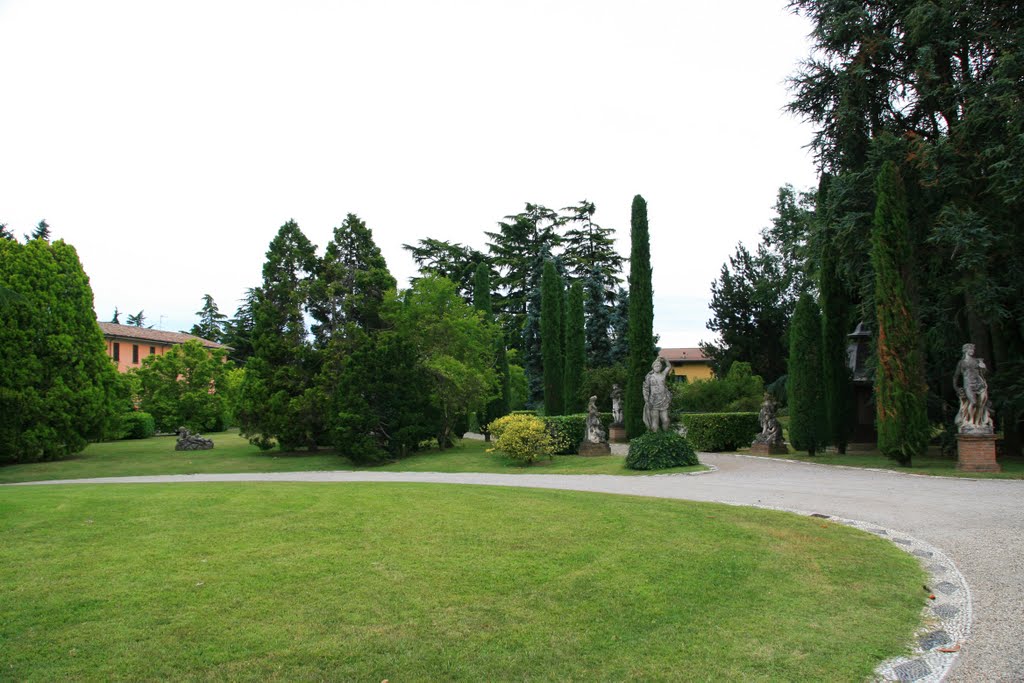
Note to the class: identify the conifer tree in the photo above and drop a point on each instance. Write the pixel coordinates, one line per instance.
(211, 321)
(835, 313)
(116, 318)
(598, 314)
(575, 350)
(138, 319)
(641, 318)
(808, 428)
(550, 333)
(900, 389)
(498, 406)
(590, 248)
(238, 330)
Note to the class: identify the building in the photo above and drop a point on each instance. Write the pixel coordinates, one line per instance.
(127, 345)
(688, 364)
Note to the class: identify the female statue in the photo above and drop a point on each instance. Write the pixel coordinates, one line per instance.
(969, 381)
(595, 430)
(657, 397)
(616, 404)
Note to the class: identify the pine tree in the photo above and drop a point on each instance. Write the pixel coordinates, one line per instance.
(211, 323)
(455, 261)
(808, 429)
(137, 320)
(238, 330)
(116, 318)
(550, 332)
(57, 384)
(900, 390)
(641, 318)
(575, 350)
(598, 314)
(589, 249)
(42, 231)
(5, 232)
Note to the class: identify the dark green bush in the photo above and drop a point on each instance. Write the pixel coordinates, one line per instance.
(137, 425)
(660, 450)
(568, 431)
(721, 431)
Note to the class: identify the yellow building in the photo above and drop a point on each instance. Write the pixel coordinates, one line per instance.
(127, 345)
(688, 365)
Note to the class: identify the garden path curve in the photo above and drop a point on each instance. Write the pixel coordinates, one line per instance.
(979, 524)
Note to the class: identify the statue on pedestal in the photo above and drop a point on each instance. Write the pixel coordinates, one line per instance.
(657, 397)
(617, 418)
(595, 441)
(771, 430)
(975, 416)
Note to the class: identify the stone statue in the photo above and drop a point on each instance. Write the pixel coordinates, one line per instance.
(657, 397)
(191, 442)
(617, 418)
(595, 430)
(975, 416)
(771, 430)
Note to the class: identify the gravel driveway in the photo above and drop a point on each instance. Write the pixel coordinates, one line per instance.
(979, 524)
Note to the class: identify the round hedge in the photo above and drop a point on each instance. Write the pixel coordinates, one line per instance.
(660, 450)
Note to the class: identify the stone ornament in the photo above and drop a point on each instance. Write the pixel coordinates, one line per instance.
(975, 415)
(771, 430)
(617, 417)
(595, 430)
(657, 397)
(191, 442)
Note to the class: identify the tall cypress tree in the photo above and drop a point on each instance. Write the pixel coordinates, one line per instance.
(575, 350)
(900, 389)
(498, 406)
(550, 339)
(807, 422)
(641, 317)
(835, 314)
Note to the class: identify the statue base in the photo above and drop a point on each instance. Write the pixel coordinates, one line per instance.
(591, 448)
(768, 449)
(617, 434)
(976, 453)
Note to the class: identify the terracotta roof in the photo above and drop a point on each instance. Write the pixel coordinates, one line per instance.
(147, 334)
(683, 355)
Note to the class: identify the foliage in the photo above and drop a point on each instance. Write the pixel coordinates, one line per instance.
(808, 430)
(57, 386)
(211, 325)
(179, 388)
(137, 425)
(739, 390)
(900, 390)
(522, 438)
(598, 327)
(598, 382)
(659, 451)
(575, 350)
(499, 405)
(714, 432)
(641, 318)
(589, 248)
(457, 262)
(137, 320)
(552, 352)
(568, 431)
(238, 330)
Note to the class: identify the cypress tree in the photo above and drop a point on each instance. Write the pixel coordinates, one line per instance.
(835, 313)
(900, 390)
(498, 406)
(550, 339)
(807, 422)
(575, 350)
(641, 318)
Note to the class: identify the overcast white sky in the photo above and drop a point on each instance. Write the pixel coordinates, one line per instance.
(169, 141)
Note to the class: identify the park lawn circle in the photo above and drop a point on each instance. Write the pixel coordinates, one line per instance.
(374, 581)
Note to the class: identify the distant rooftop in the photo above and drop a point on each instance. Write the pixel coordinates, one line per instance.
(149, 334)
(694, 355)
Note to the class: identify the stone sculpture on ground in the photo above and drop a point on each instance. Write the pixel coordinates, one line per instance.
(594, 442)
(657, 397)
(769, 441)
(191, 442)
(976, 440)
(617, 432)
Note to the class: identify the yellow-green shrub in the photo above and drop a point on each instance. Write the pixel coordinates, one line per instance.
(523, 438)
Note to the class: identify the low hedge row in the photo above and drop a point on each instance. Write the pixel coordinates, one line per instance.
(569, 430)
(712, 432)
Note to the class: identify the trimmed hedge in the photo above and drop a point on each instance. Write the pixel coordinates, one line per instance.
(659, 451)
(568, 431)
(712, 432)
(137, 425)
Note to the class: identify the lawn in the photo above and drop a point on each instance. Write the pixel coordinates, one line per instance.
(1013, 468)
(232, 453)
(286, 581)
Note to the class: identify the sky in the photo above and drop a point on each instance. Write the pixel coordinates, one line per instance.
(168, 141)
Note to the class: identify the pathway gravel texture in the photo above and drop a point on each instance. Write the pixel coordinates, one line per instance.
(979, 524)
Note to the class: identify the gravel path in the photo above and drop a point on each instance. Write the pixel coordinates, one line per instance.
(979, 524)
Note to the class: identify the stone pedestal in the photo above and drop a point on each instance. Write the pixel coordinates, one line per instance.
(591, 448)
(617, 434)
(768, 449)
(976, 453)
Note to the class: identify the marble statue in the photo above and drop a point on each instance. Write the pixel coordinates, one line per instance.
(771, 430)
(617, 418)
(595, 430)
(191, 442)
(975, 416)
(657, 397)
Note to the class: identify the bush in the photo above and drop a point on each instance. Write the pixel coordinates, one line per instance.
(137, 425)
(660, 450)
(721, 431)
(523, 438)
(739, 390)
(567, 431)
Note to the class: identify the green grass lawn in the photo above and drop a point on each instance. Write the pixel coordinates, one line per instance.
(1013, 468)
(417, 582)
(232, 453)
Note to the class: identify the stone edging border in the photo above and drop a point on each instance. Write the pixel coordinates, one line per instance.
(861, 469)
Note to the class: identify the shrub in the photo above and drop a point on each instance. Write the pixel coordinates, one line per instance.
(568, 431)
(739, 390)
(660, 450)
(523, 438)
(721, 431)
(137, 425)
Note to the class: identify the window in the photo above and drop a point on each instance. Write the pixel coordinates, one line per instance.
(135, 353)
(117, 351)
(152, 350)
